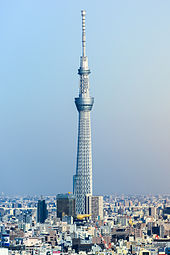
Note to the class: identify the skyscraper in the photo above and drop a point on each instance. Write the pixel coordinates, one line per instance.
(42, 212)
(65, 205)
(94, 206)
(82, 181)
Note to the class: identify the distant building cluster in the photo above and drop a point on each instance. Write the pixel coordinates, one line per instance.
(112, 225)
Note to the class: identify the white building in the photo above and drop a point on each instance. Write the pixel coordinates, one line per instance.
(3, 251)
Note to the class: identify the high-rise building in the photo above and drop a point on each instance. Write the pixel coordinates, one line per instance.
(42, 212)
(82, 181)
(152, 211)
(94, 206)
(65, 205)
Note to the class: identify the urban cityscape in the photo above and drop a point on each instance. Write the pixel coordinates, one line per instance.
(82, 221)
(116, 225)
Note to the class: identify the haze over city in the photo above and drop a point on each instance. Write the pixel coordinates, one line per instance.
(129, 57)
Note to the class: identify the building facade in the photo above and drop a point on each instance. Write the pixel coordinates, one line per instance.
(42, 212)
(94, 206)
(65, 204)
(82, 181)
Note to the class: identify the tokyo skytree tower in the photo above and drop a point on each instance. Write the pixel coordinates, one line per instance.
(82, 180)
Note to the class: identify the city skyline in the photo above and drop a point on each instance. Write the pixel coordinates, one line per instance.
(128, 45)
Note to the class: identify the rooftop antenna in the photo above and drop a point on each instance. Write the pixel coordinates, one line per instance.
(83, 14)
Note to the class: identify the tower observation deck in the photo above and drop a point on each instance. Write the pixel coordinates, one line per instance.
(82, 180)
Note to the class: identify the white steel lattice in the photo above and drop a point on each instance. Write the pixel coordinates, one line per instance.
(82, 182)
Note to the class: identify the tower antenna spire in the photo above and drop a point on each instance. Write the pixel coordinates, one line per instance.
(83, 14)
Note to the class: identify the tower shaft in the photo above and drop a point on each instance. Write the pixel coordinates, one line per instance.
(82, 181)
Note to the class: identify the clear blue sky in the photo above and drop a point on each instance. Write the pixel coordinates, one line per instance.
(128, 45)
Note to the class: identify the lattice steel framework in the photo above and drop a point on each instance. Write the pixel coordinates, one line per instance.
(82, 180)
